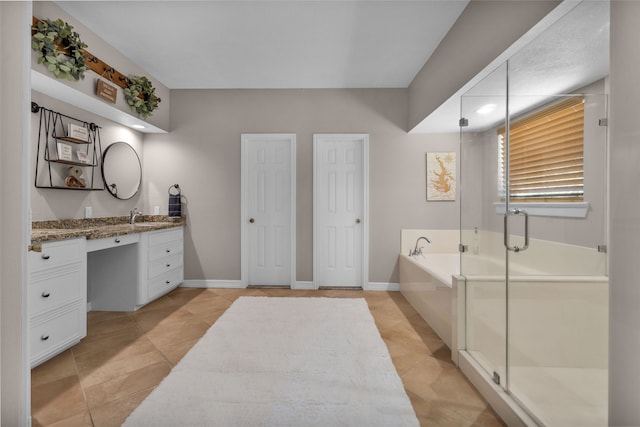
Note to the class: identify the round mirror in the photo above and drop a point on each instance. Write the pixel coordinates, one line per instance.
(121, 170)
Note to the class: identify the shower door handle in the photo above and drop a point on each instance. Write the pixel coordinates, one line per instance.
(516, 212)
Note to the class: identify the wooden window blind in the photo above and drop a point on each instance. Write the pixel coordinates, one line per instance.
(546, 154)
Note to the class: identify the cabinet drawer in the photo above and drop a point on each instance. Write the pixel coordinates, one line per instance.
(163, 283)
(52, 334)
(165, 249)
(164, 236)
(46, 292)
(55, 254)
(164, 265)
(112, 242)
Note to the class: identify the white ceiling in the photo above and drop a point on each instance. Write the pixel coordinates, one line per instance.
(273, 44)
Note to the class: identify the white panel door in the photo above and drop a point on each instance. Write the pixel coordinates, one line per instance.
(340, 210)
(268, 209)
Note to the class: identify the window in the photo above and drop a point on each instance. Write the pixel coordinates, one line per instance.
(546, 154)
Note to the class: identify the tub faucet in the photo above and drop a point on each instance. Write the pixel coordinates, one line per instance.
(134, 213)
(418, 250)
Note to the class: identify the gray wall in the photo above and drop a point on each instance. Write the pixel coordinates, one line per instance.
(14, 203)
(482, 32)
(624, 299)
(202, 154)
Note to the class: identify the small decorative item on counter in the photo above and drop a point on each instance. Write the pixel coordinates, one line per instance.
(141, 86)
(74, 178)
(59, 49)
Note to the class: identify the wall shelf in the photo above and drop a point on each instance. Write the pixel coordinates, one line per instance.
(70, 139)
(96, 65)
(69, 188)
(66, 166)
(71, 163)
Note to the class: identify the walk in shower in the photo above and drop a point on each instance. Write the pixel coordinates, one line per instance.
(533, 221)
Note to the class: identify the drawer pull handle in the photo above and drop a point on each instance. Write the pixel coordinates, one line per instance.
(168, 250)
(46, 294)
(117, 240)
(45, 256)
(168, 265)
(44, 337)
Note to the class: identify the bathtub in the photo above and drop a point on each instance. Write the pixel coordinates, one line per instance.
(426, 283)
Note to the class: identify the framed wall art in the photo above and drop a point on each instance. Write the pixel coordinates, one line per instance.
(441, 176)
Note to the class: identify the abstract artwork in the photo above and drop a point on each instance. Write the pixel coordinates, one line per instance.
(441, 176)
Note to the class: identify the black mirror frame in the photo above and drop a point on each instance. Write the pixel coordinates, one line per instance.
(112, 188)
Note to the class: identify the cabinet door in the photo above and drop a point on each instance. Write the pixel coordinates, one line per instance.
(56, 331)
(55, 254)
(53, 288)
(164, 249)
(164, 283)
(164, 264)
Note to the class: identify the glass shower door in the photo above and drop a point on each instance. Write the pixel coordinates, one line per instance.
(482, 255)
(557, 285)
(557, 288)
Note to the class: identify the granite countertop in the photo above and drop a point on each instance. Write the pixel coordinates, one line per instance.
(98, 228)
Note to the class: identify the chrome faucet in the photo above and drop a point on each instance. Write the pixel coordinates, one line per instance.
(418, 250)
(134, 213)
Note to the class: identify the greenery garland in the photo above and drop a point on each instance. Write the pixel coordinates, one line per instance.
(60, 49)
(140, 85)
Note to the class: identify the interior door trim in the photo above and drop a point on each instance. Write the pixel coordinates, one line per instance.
(246, 139)
(365, 206)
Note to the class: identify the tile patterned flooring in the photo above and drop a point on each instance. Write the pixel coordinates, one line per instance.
(101, 380)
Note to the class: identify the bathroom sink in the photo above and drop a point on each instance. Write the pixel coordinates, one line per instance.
(152, 224)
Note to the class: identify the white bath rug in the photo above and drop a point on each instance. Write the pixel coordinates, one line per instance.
(283, 362)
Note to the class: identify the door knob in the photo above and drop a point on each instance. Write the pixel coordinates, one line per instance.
(252, 220)
(358, 221)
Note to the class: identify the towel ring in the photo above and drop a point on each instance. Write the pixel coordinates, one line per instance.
(177, 187)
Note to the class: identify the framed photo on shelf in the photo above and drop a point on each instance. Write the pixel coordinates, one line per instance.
(65, 152)
(78, 132)
(82, 156)
(441, 176)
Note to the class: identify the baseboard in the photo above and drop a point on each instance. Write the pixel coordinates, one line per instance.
(304, 285)
(381, 286)
(234, 284)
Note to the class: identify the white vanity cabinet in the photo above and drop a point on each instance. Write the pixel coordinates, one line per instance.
(117, 273)
(57, 298)
(161, 263)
